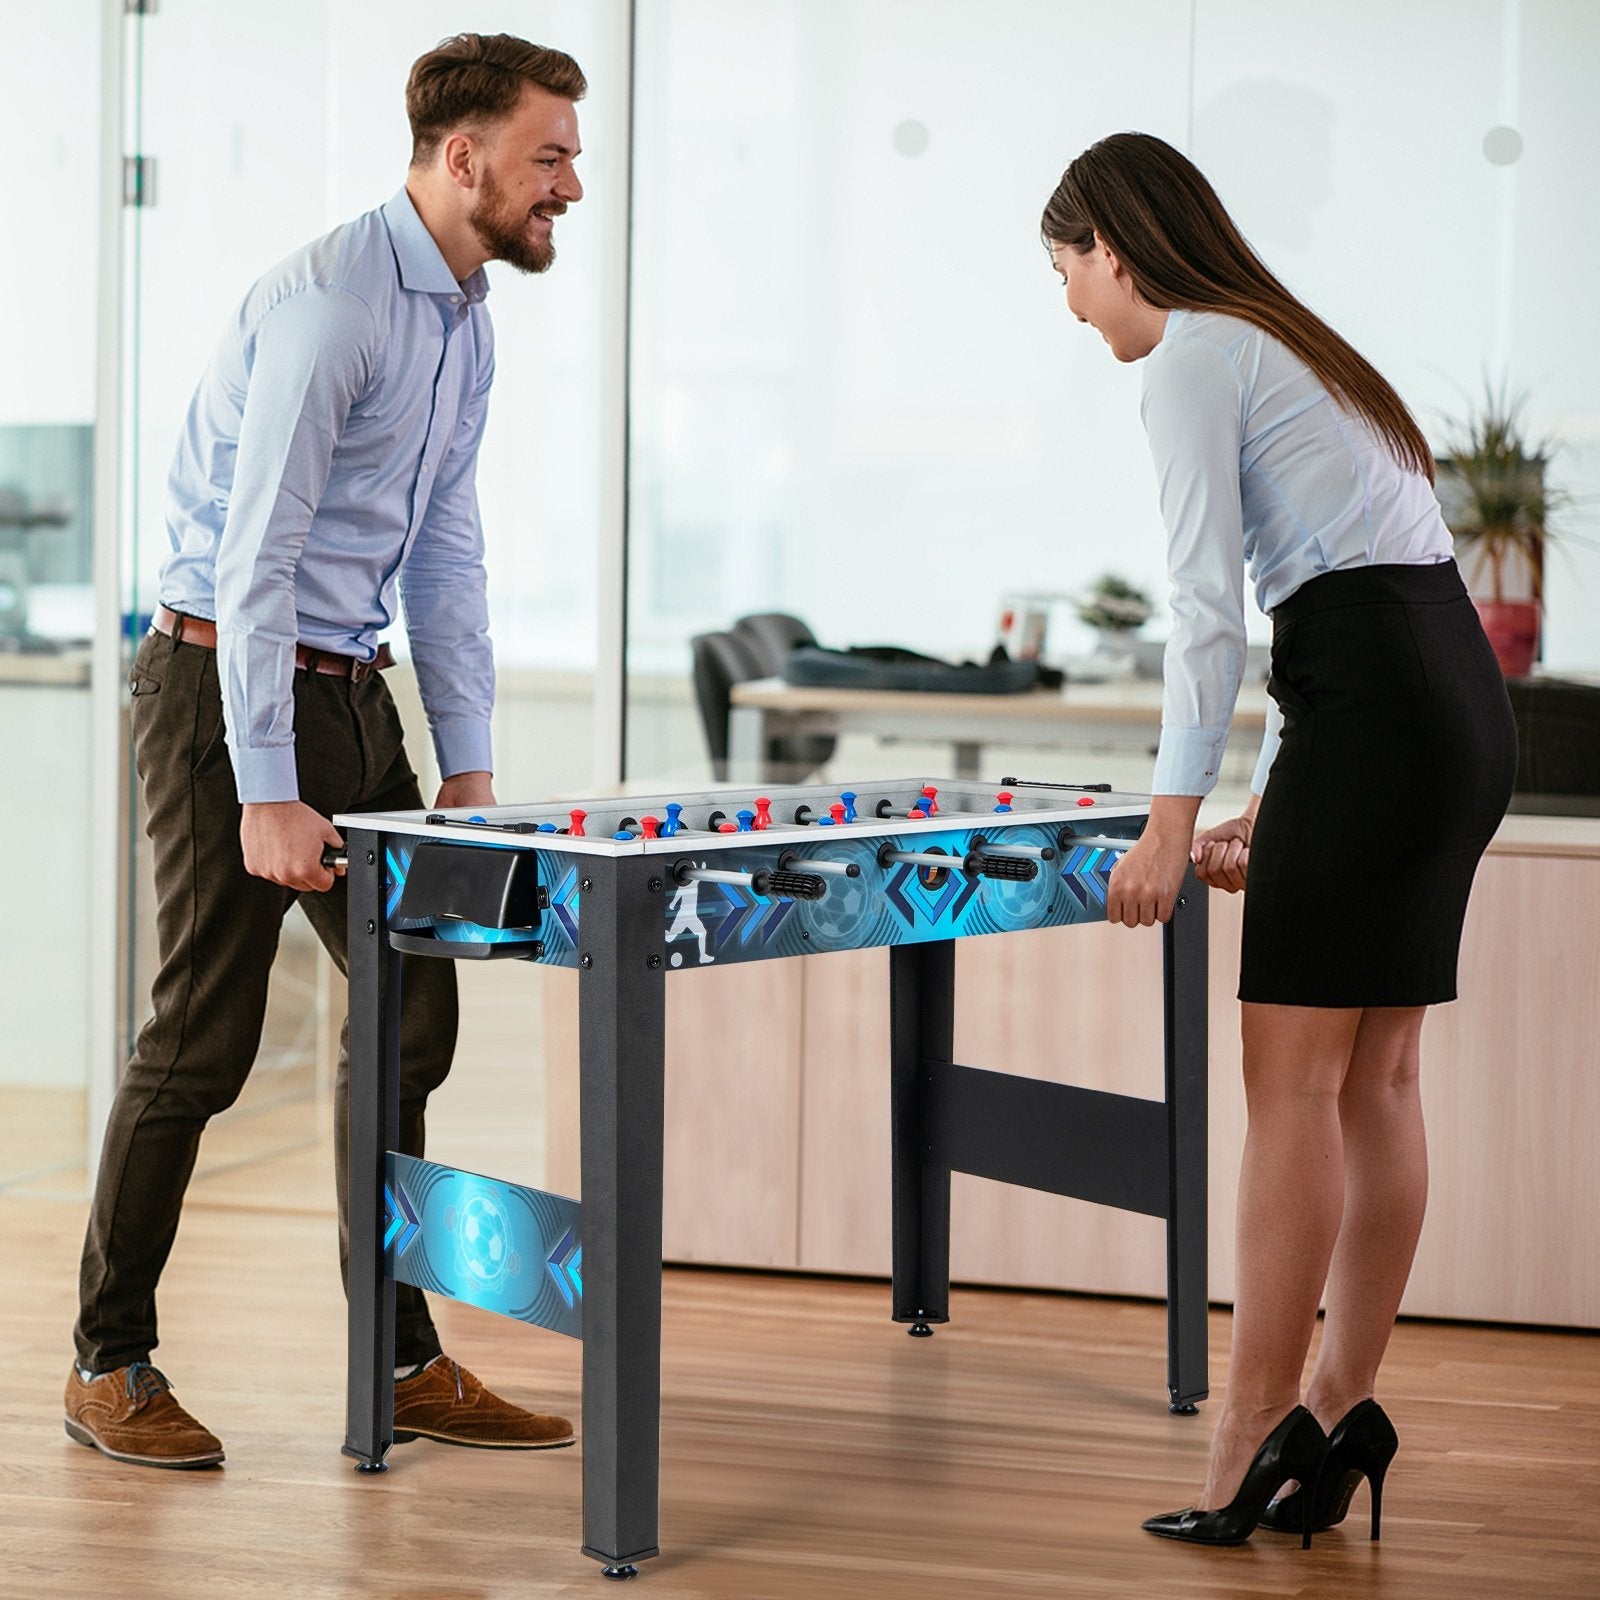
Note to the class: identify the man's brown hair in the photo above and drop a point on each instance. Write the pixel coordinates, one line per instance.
(476, 79)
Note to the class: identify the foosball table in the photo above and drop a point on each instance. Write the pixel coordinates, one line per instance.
(628, 890)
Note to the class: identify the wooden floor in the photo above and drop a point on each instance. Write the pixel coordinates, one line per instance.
(809, 1449)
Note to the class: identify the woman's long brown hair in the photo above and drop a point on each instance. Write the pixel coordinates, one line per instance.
(1183, 251)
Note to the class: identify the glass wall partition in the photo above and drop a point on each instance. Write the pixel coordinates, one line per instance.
(857, 395)
(269, 126)
(47, 541)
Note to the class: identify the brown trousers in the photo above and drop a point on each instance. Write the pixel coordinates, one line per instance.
(217, 931)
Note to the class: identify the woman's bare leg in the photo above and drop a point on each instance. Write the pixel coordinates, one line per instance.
(1291, 1196)
(1385, 1194)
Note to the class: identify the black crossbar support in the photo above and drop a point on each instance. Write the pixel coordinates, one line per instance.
(1058, 1137)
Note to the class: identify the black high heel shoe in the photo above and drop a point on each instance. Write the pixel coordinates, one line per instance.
(1296, 1448)
(1362, 1445)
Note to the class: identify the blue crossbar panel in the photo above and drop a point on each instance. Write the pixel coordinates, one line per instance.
(492, 1244)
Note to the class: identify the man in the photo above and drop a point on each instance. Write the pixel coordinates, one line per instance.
(326, 462)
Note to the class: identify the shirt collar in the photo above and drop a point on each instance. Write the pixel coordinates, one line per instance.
(422, 267)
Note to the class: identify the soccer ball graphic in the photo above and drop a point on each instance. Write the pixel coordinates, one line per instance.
(484, 1240)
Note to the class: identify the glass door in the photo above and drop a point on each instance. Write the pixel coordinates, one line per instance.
(268, 127)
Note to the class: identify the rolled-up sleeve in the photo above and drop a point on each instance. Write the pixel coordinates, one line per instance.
(308, 359)
(1192, 411)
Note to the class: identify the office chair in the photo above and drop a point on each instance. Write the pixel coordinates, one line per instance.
(771, 635)
(722, 660)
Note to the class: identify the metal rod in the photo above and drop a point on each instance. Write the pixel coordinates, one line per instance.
(927, 858)
(711, 875)
(837, 869)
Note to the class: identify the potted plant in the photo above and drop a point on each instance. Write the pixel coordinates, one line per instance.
(1116, 611)
(1492, 490)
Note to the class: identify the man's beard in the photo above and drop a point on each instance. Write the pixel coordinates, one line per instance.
(502, 230)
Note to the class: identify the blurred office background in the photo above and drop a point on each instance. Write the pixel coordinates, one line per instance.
(802, 351)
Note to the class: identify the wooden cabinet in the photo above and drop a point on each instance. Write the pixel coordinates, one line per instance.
(777, 1099)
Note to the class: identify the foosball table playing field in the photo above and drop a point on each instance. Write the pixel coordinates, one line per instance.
(627, 890)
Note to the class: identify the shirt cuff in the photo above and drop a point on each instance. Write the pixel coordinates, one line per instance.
(1188, 760)
(463, 745)
(265, 774)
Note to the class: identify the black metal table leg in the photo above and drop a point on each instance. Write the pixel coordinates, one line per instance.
(921, 1028)
(374, 1130)
(1184, 985)
(622, 1038)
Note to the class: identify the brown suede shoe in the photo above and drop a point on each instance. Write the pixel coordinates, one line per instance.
(445, 1402)
(130, 1415)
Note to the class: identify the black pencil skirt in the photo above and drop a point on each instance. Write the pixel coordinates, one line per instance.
(1396, 767)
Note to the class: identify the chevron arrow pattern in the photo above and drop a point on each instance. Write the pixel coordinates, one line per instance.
(400, 1221)
(565, 1266)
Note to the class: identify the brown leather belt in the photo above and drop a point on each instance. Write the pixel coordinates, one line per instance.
(196, 630)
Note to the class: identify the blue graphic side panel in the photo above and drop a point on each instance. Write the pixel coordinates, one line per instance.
(560, 926)
(901, 903)
(707, 923)
(497, 1245)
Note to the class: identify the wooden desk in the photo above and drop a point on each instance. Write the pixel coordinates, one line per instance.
(67, 668)
(1123, 715)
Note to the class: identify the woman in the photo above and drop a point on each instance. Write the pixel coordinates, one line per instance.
(1279, 449)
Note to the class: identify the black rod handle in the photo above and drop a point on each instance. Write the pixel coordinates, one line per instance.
(1013, 869)
(792, 885)
(437, 819)
(1035, 783)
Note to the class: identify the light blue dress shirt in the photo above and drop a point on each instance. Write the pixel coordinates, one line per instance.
(326, 467)
(1258, 468)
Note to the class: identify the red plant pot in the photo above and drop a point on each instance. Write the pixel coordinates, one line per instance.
(1512, 627)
